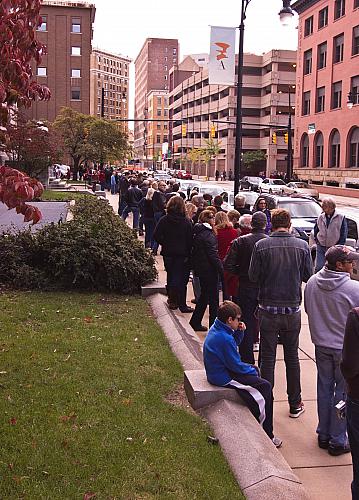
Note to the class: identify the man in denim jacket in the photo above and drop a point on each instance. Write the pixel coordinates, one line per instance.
(279, 265)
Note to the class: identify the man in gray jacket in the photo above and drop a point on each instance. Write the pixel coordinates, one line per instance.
(328, 297)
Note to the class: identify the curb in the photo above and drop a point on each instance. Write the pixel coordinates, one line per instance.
(259, 468)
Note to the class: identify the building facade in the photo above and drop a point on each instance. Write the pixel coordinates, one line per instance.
(66, 30)
(152, 66)
(109, 84)
(209, 111)
(157, 131)
(326, 147)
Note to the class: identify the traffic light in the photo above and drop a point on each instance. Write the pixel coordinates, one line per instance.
(274, 138)
(184, 130)
(213, 131)
(286, 137)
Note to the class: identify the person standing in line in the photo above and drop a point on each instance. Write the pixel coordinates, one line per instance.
(217, 175)
(330, 229)
(148, 217)
(113, 183)
(279, 265)
(217, 203)
(174, 233)
(230, 175)
(261, 206)
(134, 196)
(159, 206)
(350, 370)
(225, 368)
(224, 175)
(328, 297)
(240, 205)
(124, 184)
(225, 235)
(237, 262)
(208, 267)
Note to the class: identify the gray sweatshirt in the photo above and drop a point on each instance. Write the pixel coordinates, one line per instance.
(328, 298)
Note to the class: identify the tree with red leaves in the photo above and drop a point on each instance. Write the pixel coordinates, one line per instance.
(18, 49)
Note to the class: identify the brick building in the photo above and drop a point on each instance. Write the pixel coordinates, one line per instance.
(109, 83)
(152, 65)
(267, 81)
(157, 131)
(66, 30)
(326, 147)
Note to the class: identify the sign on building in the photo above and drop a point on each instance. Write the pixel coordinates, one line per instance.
(311, 128)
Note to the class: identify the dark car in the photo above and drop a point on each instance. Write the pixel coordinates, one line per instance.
(303, 211)
(250, 183)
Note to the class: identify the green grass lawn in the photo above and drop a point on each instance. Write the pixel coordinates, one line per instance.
(49, 195)
(85, 381)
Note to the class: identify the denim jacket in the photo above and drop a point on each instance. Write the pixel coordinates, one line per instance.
(279, 264)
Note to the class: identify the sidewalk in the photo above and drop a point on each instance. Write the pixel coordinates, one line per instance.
(323, 476)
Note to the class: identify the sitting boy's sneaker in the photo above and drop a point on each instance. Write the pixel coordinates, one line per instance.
(294, 411)
(277, 441)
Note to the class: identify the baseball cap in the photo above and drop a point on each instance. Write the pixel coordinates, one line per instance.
(259, 219)
(340, 253)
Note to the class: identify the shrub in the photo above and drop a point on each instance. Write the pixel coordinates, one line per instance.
(94, 251)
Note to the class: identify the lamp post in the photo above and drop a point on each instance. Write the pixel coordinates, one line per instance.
(286, 14)
(289, 132)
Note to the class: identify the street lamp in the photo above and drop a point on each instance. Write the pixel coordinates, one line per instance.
(289, 132)
(286, 14)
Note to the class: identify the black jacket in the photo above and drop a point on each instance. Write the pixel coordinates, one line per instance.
(205, 259)
(239, 256)
(159, 201)
(146, 209)
(174, 234)
(349, 364)
(123, 185)
(134, 196)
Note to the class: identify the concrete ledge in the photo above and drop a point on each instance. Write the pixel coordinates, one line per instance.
(201, 393)
(153, 288)
(258, 466)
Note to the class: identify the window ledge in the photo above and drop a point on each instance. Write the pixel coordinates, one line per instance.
(75, 100)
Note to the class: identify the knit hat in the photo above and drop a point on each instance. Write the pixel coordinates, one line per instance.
(259, 220)
(340, 253)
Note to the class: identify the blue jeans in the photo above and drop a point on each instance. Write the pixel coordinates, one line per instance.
(288, 327)
(330, 390)
(247, 301)
(136, 215)
(149, 228)
(353, 433)
(320, 258)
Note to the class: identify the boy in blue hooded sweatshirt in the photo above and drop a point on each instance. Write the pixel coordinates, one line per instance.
(224, 366)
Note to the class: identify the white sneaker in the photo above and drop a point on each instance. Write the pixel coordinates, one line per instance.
(277, 442)
(256, 347)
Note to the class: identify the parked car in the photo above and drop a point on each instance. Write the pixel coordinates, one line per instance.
(183, 174)
(275, 186)
(214, 190)
(184, 184)
(250, 183)
(161, 176)
(250, 196)
(303, 211)
(302, 188)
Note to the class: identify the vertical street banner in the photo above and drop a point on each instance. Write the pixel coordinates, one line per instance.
(221, 68)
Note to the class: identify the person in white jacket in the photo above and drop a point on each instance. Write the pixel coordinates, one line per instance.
(328, 297)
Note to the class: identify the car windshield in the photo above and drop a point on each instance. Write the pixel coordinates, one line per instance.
(254, 179)
(212, 190)
(301, 209)
(278, 181)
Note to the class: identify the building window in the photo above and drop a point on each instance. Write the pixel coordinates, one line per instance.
(354, 89)
(319, 150)
(75, 94)
(174, 52)
(75, 73)
(75, 51)
(166, 77)
(320, 100)
(322, 55)
(43, 25)
(306, 103)
(337, 95)
(166, 68)
(354, 148)
(76, 25)
(356, 4)
(41, 71)
(308, 61)
(323, 18)
(304, 156)
(158, 139)
(334, 149)
(159, 112)
(355, 49)
(308, 26)
(338, 49)
(339, 8)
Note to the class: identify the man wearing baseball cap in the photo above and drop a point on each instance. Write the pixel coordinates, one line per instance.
(328, 297)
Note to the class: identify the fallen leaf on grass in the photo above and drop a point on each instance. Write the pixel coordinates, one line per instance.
(88, 319)
(126, 402)
(67, 357)
(68, 418)
(11, 466)
(13, 421)
(89, 495)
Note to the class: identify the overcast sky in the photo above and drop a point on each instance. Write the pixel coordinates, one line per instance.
(122, 26)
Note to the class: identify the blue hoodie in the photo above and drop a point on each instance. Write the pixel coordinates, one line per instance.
(220, 354)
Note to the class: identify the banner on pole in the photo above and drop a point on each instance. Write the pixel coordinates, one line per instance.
(221, 68)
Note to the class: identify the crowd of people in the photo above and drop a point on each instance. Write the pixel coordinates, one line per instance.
(260, 266)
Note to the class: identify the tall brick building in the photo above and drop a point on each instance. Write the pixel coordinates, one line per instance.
(109, 83)
(152, 66)
(326, 147)
(66, 30)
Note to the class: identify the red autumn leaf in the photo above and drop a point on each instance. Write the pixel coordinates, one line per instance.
(88, 319)
(89, 495)
(13, 421)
